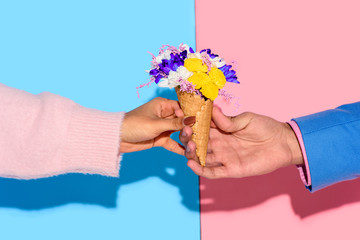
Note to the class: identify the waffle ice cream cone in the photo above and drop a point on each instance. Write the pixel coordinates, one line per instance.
(194, 105)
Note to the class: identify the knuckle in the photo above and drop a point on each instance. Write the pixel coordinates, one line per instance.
(178, 123)
(229, 127)
(159, 99)
(189, 155)
(247, 115)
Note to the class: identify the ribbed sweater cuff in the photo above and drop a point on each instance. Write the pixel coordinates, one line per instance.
(93, 141)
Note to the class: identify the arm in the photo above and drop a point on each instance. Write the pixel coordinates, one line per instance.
(46, 134)
(324, 146)
(332, 144)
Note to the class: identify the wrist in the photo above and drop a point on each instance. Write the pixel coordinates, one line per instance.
(294, 146)
(124, 128)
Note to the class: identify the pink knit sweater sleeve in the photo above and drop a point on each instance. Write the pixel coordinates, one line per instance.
(46, 134)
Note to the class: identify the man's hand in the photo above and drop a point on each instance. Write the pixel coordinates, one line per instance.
(246, 145)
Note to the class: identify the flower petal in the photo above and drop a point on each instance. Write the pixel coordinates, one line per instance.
(195, 65)
(154, 72)
(157, 79)
(233, 80)
(230, 74)
(210, 91)
(200, 80)
(217, 77)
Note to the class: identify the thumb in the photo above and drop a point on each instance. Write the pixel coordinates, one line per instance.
(175, 124)
(230, 124)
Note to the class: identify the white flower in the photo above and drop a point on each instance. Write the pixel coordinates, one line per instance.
(194, 55)
(166, 83)
(164, 55)
(184, 73)
(158, 59)
(186, 47)
(173, 79)
(218, 62)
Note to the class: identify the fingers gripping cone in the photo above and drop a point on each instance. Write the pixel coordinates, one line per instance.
(194, 105)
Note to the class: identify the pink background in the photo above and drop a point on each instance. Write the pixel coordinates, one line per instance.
(293, 58)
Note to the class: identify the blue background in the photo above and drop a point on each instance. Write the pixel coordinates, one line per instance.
(95, 53)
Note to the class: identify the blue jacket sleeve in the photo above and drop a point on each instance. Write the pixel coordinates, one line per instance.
(332, 144)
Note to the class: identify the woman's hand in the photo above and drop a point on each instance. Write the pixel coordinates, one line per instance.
(151, 125)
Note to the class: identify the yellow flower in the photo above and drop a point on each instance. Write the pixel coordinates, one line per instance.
(199, 80)
(210, 91)
(195, 65)
(208, 84)
(217, 77)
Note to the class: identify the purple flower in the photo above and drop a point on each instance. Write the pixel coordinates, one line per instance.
(154, 72)
(230, 75)
(157, 78)
(208, 51)
(163, 69)
(164, 66)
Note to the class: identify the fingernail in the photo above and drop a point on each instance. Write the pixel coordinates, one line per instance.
(187, 149)
(183, 134)
(189, 120)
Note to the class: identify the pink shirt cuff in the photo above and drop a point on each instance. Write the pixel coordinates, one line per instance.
(304, 168)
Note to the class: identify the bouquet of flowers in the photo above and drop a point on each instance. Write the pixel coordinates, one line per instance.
(198, 78)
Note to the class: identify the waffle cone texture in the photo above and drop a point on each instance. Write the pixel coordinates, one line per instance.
(194, 105)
